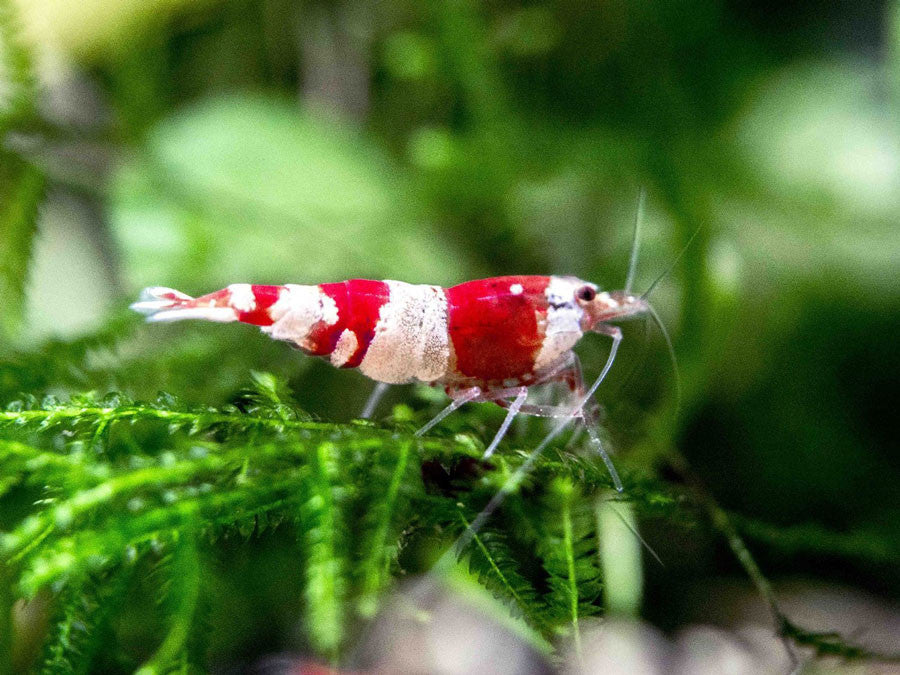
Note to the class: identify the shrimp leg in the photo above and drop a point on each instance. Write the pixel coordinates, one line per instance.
(514, 408)
(460, 398)
(476, 394)
(374, 399)
(587, 408)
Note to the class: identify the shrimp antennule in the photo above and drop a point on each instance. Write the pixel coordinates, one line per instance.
(635, 240)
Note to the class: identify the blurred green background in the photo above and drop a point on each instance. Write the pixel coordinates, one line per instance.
(196, 143)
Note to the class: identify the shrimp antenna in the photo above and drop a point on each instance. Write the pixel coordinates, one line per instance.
(665, 333)
(673, 263)
(636, 534)
(638, 360)
(635, 239)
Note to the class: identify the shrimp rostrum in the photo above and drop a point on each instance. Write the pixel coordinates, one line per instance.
(484, 340)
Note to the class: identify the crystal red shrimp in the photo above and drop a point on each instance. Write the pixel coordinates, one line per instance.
(484, 340)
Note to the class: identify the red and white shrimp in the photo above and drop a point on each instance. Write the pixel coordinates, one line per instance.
(484, 340)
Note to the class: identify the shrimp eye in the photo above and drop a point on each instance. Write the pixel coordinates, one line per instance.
(586, 293)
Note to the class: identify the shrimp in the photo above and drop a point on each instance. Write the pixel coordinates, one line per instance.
(488, 340)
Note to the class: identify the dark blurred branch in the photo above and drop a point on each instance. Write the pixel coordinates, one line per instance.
(335, 43)
(861, 545)
(793, 636)
(720, 521)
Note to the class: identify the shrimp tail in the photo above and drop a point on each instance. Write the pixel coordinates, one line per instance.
(161, 304)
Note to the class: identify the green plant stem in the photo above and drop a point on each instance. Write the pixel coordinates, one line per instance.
(26, 536)
(375, 564)
(186, 591)
(568, 545)
(722, 524)
(495, 568)
(812, 538)
(7, 632)
(16, 64)
(115, 536)
(107, 415)
(324, 584)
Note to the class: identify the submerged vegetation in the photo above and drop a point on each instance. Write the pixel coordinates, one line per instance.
(110, 492)
(116, 510)
(246, 513)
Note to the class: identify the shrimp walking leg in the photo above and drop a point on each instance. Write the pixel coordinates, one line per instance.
(568, 374)
(597, 443)
(460, 398)
(514, 408)
(477, 394)
(374, 399)
(589, 409)
(585, 408)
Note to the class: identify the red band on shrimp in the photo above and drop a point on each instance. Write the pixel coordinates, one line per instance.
(358, 303)
(496, 325)
(324, 335)
(265, 297)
